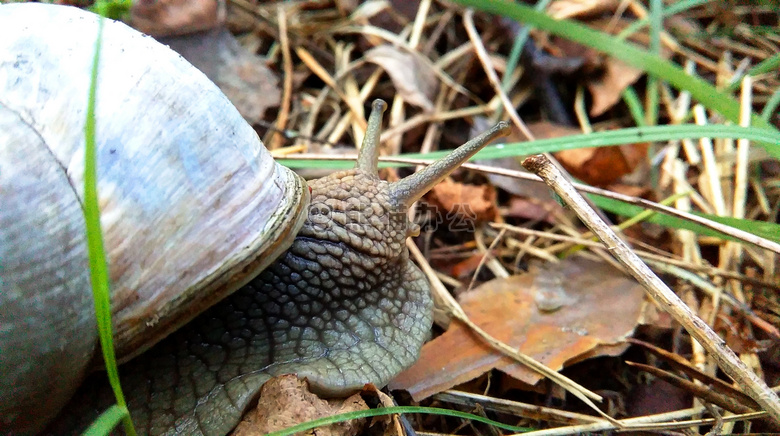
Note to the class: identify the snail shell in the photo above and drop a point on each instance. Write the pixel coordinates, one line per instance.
(192, 204)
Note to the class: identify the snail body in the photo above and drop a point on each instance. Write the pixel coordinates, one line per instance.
(317, 277)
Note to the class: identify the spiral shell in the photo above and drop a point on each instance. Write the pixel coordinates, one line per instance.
(192, 204)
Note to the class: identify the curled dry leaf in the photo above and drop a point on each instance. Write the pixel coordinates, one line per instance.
(605, 77)
(244, 78)
(607, 89)
(560, 9)
(533, 209)
(176, 17)
(464, 269)
(414, 80)
(458, 202)
(586, 306)
(286, 401)
(601, 166)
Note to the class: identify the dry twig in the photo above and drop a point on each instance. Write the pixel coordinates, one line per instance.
(657, 289)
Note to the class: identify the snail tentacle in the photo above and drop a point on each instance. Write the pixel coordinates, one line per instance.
(412, 188)
(368, 157)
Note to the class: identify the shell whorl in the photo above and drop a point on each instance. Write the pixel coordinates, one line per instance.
(192, 204)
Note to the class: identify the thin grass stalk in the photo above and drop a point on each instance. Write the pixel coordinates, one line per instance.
(98, 266)
(656, 26)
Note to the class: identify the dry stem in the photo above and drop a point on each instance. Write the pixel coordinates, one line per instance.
(657, 289)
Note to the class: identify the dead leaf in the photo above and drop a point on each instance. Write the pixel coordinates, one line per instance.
(547, 130)
(560, 9)
(390, 423)
(532, 209)
(459, 203)
(176, 17)
(466, 267)
(242, 76)
(601, 166)
(607, 89)
(286, 401)
(597, 305)
(414, 80)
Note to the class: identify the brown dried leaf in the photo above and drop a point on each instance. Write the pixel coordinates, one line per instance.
(605, 76)
(391, 423)
(560, 9)
(465, 268)
(533, 209)
(464, 203)
(413, 79)
(602, 165)
(244, 78)
(176, 17)
(608, 88)
(286, 401)
(594, 305)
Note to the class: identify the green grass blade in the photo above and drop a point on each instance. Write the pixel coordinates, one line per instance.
(767, 230)
(106, 422)
(629, 135)
(631, 99)
(114, 9)
(771, 106)
(98, 266)
(653, 84)
(390, 411)
(629, 53)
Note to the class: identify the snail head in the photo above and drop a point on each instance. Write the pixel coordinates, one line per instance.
(357, 208)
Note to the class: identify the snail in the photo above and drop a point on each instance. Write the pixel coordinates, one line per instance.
(226, 268)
